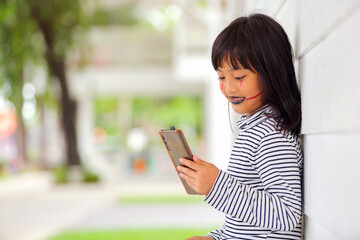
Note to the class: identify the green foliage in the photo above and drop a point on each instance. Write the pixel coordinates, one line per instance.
(18, 45)
(133, 234)
(23, 24)
(61, 174)
(89, 176)
(64, 19)
(178, 111)
(3, 173)
(203, 3)
(17, 36)
(49, 97)
(160, 199)
(21, 40)
(105, 104)
(122, 15)
(148, 113)
(106, 114)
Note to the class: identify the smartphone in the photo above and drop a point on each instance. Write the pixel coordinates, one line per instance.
(177, 147)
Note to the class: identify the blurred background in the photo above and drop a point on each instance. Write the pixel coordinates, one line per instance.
(85, 86)
(91, 83)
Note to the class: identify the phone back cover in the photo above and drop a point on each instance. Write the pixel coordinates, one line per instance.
(178, 148)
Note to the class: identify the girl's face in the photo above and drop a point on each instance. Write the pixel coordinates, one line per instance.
(241, 88)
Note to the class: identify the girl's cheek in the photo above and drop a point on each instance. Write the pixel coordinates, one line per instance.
(222, 89)
(240, 83)
(221, 86)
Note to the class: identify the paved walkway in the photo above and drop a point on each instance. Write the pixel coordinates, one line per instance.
(32, 208)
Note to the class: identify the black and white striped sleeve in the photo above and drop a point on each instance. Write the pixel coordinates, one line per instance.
(216, 234)
(278, 205)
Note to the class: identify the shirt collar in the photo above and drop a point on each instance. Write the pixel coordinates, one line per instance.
(257, 117)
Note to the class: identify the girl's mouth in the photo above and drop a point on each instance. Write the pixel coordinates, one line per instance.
(236, 100)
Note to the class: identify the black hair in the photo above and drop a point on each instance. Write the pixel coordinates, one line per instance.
(260, 44)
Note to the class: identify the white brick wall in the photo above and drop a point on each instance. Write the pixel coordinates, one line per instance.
(317, 19)
(330, 80)
(328, 47)
(331, 186)
(326, 39)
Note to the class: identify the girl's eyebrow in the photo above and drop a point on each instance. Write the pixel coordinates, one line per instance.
(232, 70)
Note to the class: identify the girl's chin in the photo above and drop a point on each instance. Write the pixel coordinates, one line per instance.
(238, 109)
(246, 107)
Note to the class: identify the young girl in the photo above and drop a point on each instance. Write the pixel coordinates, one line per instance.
(260, 193)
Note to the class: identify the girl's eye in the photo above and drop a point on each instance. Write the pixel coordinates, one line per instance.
(221, 78)
(239, 78)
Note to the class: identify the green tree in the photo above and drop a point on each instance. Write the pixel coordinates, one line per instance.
(57, 22)
(16, 48)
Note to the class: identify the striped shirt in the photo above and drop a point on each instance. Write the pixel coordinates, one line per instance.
(260, 193)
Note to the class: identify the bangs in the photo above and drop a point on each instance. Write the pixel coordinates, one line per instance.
(233, 47)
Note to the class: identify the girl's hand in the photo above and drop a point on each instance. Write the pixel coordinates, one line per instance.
(199, 175)
(200, 238)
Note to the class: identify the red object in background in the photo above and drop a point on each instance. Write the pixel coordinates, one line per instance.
(8, 124)
(139, 165)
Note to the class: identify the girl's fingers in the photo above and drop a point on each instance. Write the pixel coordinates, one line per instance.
(200, 161)
(190, 181)
(191, 164)
(189, 172)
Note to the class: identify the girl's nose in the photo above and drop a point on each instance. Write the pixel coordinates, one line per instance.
(230, 86)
